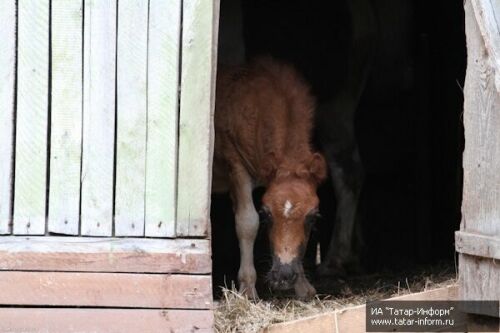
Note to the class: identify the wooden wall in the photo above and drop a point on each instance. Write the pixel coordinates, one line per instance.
(106, 111)
(106, 121)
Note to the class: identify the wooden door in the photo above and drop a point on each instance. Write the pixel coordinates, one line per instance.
(478, 240)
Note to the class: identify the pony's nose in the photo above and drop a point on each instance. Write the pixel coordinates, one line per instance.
(286, 274)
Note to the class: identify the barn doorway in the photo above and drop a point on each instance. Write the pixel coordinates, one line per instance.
(408, 123)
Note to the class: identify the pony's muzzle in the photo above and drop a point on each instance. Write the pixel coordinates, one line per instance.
(282, 276)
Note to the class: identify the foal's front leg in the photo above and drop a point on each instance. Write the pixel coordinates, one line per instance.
(247, 225)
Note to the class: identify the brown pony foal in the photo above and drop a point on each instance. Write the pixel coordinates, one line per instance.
(263, 122)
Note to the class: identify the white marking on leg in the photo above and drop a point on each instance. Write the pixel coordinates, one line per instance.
(247, 225)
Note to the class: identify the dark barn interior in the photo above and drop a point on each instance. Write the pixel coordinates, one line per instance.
(408, 124)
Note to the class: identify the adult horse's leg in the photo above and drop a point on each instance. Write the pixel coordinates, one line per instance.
(247, 225)
(337, 135)
(342, 155)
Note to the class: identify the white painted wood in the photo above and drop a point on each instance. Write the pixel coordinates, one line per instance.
(161, 157)
(199, 46)
(55, 244)
(7, 77)
(32, 117)
(131, 117)
(66, 117)
(98, 117)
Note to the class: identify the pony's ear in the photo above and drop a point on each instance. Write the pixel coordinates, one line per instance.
(317, 168)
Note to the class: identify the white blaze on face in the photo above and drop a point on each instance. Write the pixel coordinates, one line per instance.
(287, 208)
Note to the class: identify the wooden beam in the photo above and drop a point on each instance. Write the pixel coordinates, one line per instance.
(477, 244)
(7, 83)
(32, 117)
(64, 320)
(481, 157)
(81, 254)
(106, 290)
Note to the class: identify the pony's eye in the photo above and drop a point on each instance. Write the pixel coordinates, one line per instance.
(312, 217)
(264, 215)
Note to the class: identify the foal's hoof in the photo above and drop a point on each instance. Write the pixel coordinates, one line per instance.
(249, 291)
(304, 290)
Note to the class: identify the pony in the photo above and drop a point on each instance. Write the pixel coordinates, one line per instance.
(263, 125)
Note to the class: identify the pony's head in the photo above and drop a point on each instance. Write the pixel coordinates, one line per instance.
(290, 209)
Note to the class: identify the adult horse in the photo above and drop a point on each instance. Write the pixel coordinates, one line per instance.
(263, 123)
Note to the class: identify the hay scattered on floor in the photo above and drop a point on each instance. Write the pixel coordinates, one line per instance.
(235, 313)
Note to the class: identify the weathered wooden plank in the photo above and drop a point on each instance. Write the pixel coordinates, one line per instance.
(481, 158)
(64, 320)
(487, 14)
(84, 254)
(324, 323)
(131, 117)
(199, 45)
(161, 157)
(32, 117)
(477, 244)
(480, 227)
(353, 319)
(7, 77)
(66, 117)
(479, 278)
(106, 289)
(99, 53)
